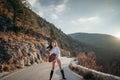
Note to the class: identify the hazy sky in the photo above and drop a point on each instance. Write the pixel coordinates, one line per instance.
(90, 16)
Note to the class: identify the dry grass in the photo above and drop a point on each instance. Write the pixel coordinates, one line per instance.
(7, 67)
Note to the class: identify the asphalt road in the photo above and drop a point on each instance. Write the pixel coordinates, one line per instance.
(42, 71)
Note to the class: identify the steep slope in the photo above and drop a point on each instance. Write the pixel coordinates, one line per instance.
(24, 36)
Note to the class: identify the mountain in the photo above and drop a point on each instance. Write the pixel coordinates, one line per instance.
(106, 46)
(98, 40)
(24, 36)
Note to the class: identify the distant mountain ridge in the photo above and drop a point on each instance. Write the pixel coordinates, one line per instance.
(98, 40)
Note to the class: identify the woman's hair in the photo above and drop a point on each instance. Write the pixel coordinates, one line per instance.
(50, 46)
(55, 42)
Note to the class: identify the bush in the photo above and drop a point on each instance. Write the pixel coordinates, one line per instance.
(89, 76)
(1, 67)
(6, 67)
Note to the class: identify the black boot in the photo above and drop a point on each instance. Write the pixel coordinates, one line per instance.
(63, 76)
(51, 74)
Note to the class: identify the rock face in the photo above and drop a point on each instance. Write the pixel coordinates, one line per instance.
(21, 50)
(29, 53)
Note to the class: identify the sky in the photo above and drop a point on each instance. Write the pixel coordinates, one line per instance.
(88, 16)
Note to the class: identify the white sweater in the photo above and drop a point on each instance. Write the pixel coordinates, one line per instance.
(55, 50)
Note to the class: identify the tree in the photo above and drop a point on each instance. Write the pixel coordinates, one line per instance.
(19, 7)
(53, 34)
(16, 7)
(87, 59)
(26, 3)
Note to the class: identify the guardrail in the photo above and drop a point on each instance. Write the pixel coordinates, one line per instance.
(95, 75)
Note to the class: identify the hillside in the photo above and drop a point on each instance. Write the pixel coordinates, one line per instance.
(106, 50)
(104, 44)
(98, 40)
(24, 37)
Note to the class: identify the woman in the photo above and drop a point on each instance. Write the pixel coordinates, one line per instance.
(55, 49)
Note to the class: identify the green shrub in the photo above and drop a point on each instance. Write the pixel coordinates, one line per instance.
(89, 76)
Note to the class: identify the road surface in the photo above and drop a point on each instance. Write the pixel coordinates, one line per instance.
(42, 71)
